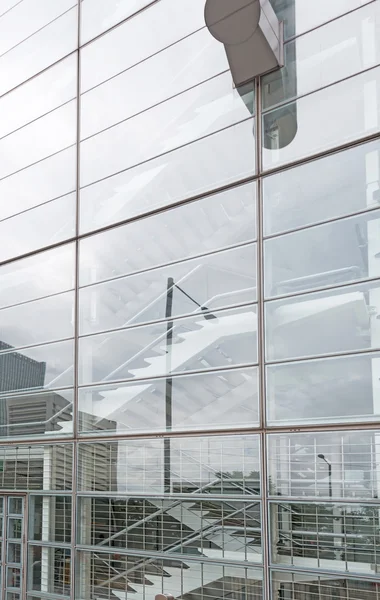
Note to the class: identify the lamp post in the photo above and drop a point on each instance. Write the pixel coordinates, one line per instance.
(322, 457)
(169, 381)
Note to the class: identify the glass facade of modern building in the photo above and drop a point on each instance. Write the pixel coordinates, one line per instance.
(189, 305)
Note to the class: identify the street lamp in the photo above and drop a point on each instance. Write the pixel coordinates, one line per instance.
(322, 457)
(169, 381)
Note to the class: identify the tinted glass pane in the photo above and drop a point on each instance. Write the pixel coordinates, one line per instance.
(213, 281)
(47, 366)
(170, 72)
(322, 120)
(40, 50)
(207, 465)
(23, 467)
(327, 54)
(331, 187)
(53, 560)
(50, 518)
(223, 338)
(43, 181)
(334, 253)
(209, 224)
(329, 536)
(296, 466)
(196, 113)
(190, 170)
(212, 400)
(46, 273)
(329, 390)
(137, 38)
(39, 321)
(339, 320)
(27, 231)
(174, 527)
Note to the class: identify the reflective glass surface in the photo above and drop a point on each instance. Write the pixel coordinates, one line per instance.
(322, 586)
(50, 518)
(339, 389)
(203, 465)
(322, 120)
(334, 186)
(334, 253)
(338, 320)
(335, 464)
(327, 54)
(172, 177)
(207, 340)
(211, 223)
(226, 398)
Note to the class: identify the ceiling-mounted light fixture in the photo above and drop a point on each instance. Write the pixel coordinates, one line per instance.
(251, 33)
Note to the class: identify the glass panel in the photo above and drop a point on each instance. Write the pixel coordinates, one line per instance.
(213, 528)
(40, 50)
(224, 338)
(39, 139)
(14, 553)
(27, 231)
(39, 183)
(193, 169)
(213, 281)
(329, 587)
(324, 189)
(13, 596)
(97, 16)
(24, 20)
(15, 506)
(300, 16)
(196, 113)
(328, 536)
(291, 133)
(36, 467)
(329, 322)
(51, 89)
(39, 414)
(40, 275)
(22, 325)
(164, 75)
(50, 518)
(13, 577)
(49, 570)
(169, 576)
(326, 55)
(202, 226)
(207, 465)
(15, 527)
(136, 39)
(48, 366)
(212, 400)
(338, 464)
(7, 5)
(339, 389)
(332, 254)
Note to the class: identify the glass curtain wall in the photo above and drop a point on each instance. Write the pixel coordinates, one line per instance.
(189, 306)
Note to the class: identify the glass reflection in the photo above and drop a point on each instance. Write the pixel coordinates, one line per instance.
(202, 226)
(213, 281)
(328, 54)
(289, 136)
(50, 518)
(197, 113)
(340, 389)
(325, 464)
(338, 320)
(170, 178)
(46, 560)
(208, 528)
(203, 465)
(226, 398)
(332, 254)
(327, 536)
(324, 189)
(208, 340)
